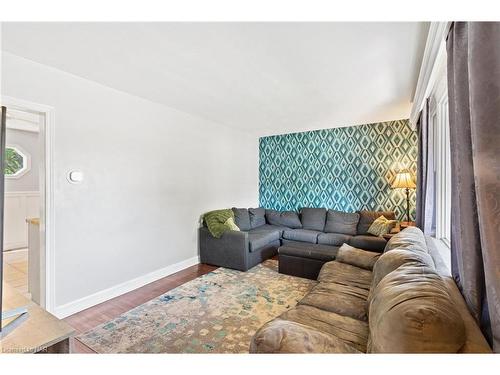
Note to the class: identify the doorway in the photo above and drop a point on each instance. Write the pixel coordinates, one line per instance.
(27, 200)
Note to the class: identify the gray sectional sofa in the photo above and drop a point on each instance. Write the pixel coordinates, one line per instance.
(263, 231)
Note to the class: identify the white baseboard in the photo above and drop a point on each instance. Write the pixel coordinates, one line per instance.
(115, 291)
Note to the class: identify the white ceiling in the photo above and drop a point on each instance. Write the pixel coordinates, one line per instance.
(265, 78)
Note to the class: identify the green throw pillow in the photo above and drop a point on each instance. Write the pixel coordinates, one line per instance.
(231, 224)
(381, 226)
(216, 221)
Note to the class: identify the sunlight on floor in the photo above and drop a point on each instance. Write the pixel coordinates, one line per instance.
(15, 270)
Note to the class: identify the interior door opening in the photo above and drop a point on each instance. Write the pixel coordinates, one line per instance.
(24, 260)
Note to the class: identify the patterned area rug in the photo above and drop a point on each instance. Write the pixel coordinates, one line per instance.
(216, 313)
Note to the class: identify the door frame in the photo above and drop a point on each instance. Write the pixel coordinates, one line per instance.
(47, 222)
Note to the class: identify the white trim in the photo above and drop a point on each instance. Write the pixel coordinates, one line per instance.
(47, 216)
(80, 304)
(442, 167)
(26, 126)
(433, 48)
(27, 193)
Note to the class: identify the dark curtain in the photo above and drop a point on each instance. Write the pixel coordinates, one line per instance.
(474, 102)
(425, 210)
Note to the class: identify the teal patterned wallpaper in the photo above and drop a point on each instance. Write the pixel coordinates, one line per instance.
(346, 169)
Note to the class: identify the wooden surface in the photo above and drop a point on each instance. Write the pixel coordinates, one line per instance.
(38, 332)
(33, 220)
(90, 318)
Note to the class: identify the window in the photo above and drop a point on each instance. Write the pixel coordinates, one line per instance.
(442, 162)
(16, 162)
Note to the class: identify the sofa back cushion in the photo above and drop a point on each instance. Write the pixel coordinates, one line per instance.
(393, 259)
(341, 222)
(411, 311)
(366, 218)
(289, 219)
(242, 218)
(257, 217)
(313, 218)
(411, 238)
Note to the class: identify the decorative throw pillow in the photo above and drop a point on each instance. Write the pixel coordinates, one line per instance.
(381, 226)
(231, 224)
(366, 218)
(216, 221)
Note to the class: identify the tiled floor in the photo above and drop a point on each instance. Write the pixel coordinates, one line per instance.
(15, 270)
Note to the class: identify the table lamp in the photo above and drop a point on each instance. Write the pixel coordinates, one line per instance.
(403, 180)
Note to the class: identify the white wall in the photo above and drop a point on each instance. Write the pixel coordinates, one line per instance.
(150, 171)
(18, 206)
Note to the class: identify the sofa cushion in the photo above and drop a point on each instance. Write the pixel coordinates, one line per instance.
(284, 336)
(341, 222)
(257, 217)
(353, 332)
(342, 273)
(259, 238)
(366, 218)
(412, 312)
(279, 228)
(313, 218)
(288, 219)
(333, 239)
(368, 242)
(241, 218)
(393, 259)
(302, 235)
(357, 257)
(338, 298)
(412, 238)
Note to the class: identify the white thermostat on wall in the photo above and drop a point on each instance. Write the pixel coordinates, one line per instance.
(75, 177)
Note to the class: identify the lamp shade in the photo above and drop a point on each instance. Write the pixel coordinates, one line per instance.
(403, 180)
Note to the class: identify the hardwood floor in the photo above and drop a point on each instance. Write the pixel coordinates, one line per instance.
(15, 270)
(93, 316)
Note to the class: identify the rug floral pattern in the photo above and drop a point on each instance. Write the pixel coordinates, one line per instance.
(216, 313)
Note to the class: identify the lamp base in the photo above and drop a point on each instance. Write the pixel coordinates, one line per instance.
(407, 205)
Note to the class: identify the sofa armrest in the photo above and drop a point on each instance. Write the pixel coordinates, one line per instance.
(357, 257)
(231, 250)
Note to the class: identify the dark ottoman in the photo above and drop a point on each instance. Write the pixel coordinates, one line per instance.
(305, 260)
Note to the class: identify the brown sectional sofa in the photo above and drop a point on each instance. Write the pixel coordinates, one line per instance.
(364, 302)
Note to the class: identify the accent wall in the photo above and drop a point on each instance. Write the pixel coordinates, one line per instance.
(347, 169)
